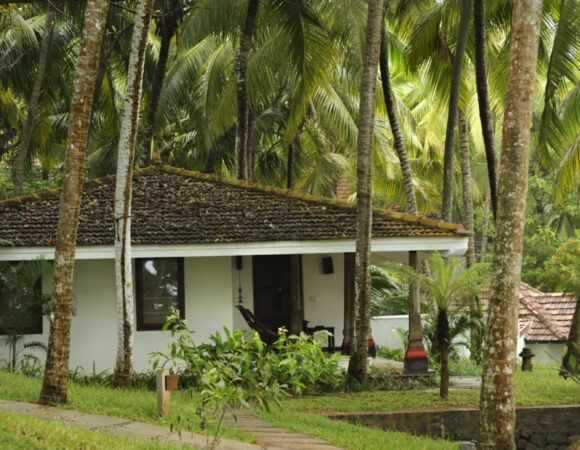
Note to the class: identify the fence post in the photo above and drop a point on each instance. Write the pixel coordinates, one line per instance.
(163, 395)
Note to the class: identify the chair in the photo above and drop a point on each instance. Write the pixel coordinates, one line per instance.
(267, 335)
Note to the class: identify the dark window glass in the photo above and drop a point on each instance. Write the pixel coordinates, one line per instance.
(159, 291)
(20, 305)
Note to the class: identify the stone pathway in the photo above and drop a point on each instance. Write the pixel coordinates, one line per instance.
(269, 436)
(275, 436)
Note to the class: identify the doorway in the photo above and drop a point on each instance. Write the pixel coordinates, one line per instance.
(277, 291)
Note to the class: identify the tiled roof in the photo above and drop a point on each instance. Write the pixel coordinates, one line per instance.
(551, 313)
(175, 206)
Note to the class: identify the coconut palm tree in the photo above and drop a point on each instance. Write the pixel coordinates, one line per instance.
(22, 155)
(54, 383)
(497, 404)
(357, 367)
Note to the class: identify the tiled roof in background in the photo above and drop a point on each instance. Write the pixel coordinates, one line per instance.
(551, 314)
(175, 206)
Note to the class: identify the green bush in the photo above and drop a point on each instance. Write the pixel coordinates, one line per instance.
(395, 354)
(235, 370)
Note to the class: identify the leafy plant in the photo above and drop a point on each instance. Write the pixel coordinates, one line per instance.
(395, 354)
(237, 370)
(452, 288)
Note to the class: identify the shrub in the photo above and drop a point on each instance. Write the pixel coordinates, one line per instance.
(237, 370)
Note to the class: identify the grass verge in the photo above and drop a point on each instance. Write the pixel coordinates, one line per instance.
(21, 432)
(139, 405)
(351, 436)
(543, 386)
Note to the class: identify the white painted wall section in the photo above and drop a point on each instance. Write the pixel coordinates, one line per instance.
(324, 293)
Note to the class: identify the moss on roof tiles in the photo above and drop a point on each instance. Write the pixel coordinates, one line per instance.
(177, 206)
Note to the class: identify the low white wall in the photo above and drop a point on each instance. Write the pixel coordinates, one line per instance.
(550, 354)
(384, 332)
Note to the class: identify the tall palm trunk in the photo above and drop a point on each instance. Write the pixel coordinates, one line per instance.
(487, 127)
(464, 22)
(485, 231)
(168, 27)
(54, 387)
(443, 342)
(22, 155)
(290, 168)
(497, 405)
(465, 160)
(398, 138)
(242, 89)
(126, 152)
(357, 366)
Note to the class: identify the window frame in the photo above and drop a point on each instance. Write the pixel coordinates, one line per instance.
(139, 264)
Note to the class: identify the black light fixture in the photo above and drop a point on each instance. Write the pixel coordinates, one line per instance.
(327, 265)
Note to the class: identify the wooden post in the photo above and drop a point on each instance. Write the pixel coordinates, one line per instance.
(296, 309)
(163, 395)
(415, 357)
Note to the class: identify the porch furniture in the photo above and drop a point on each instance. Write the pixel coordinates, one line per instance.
(312, 330)
(267, 335)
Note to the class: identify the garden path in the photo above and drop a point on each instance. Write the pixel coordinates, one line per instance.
(122, 427)
(274, 436)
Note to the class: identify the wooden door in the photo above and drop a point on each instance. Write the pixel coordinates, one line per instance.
(272, 290)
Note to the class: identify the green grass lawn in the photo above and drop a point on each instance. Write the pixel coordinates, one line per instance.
(139, 405)
(543, 386)
(305, 414)
(21, 432)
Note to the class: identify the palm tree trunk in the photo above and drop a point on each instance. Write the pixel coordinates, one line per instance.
(22, 155)
(465, 159)
(487, 126)
(398, 138)
(169, 25)
(290, 168)
(250, 145)
(54, 387)
(357, 367)
(465, 20)
(126, 152)
(497, 405)
(443, 341)
(485, 231)
(242, 89)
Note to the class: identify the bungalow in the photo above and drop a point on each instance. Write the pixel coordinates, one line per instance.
(548, 317)
(205, 244)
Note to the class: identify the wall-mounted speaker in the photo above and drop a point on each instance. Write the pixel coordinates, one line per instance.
(327, 265)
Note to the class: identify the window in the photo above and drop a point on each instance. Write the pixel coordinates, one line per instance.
(21, 298)
(159, 289)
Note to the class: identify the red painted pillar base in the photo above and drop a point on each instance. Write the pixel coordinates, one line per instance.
(416, 360)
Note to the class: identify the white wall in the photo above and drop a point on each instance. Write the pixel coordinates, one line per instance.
(550, 354)
(208, 287)
(324, 294)
(384, 330)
